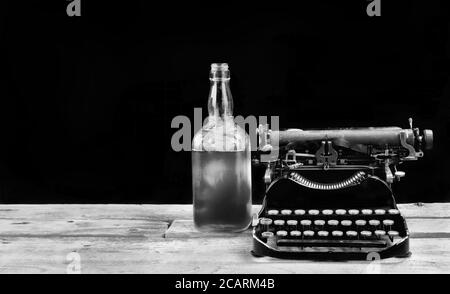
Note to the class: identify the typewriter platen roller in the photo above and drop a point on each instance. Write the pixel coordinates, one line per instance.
(328, 192)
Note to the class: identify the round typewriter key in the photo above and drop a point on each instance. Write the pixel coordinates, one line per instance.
(388, 222)
(366, 233)
(319, 222)
(305, 222)
(272, 212)
(346, 223)
(279, 222)
(308, 233)
(313, 212)
(393, 233)
(374, 222)
(380, 211)
(266, 234)
(322, 233)
(333, 222)
(380, 233)
(299, 212)
(296, 233)
(327, 212)
(351, 233)
(394, 211)
(360, 222)
(265, 221)
(367, 211)
(340, 211)
(292, 222)
(286, 212)
(282, 233)
(337, 233)
(353, 211)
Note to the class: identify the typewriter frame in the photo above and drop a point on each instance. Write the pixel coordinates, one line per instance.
(359, 172)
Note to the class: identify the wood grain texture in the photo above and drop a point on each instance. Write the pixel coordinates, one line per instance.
(135, 239)
(213, 255)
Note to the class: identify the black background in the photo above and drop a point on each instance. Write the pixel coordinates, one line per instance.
(86, 102)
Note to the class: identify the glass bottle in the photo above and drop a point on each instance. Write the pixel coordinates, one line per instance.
(221, 163)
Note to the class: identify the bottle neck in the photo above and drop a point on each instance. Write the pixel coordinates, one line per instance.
(220, 103)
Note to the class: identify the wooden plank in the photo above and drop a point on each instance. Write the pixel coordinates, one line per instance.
(186, 229)
(129, 239)
(214, 255)
(425, 210)
(82, 228)
(93, 212)
(419, 228)
(160, 212)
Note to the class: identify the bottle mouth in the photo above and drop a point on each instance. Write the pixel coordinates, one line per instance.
(219, 72)
(219, 67)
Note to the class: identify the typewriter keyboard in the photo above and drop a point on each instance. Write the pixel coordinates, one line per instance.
(329, 229)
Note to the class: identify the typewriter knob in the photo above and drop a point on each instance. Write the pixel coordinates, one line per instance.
(399, 174)
(427, 139)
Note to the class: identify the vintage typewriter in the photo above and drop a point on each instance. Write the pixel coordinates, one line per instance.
(328, 192)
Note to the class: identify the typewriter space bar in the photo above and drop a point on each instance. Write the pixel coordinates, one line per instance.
(332, 243)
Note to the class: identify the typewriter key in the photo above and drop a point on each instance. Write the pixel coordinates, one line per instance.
(333, 222)
(393, 233)
(319, 222)
(299, 212)
(341, 211)
(266, 234)
(313, 212)
(322, 233)
(296, 233)
(308, 233)
(380, 233)
(394, 211)
(272, 212)
(360, 222)
(374, 222)
(366, 233)
(353, 211)
(388, 222)
(292, 222)
(346, 223)
(366, 211)
(286, 212)
(337, 233)
(380, 211)
(282, 233)
(279, 222)
(351, 233)
(265, 221)
(305, 222)
(327, 212)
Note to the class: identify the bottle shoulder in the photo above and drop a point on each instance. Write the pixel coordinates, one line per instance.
(220, 135)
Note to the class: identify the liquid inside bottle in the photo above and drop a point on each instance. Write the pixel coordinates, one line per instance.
(221, 163)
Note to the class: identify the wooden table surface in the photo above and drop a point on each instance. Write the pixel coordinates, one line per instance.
(161, 239)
